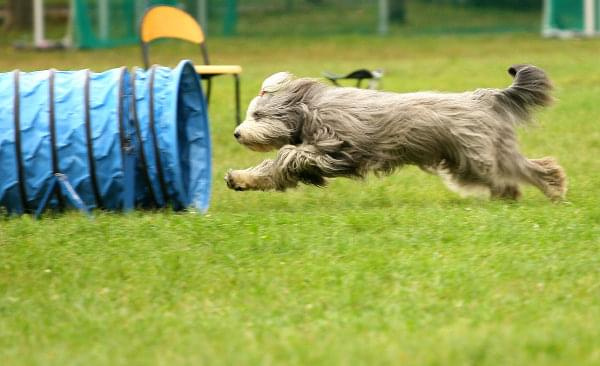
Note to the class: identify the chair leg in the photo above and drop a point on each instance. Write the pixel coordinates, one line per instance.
(208, 89)
(237, 98)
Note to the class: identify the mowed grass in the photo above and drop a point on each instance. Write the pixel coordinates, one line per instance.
(387, 271)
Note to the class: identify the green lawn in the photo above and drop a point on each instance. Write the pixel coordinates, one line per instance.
(387, 271)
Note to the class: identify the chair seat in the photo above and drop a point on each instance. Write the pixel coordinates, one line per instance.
(218, 69)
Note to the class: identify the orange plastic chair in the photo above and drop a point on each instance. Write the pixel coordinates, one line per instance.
(169, 22)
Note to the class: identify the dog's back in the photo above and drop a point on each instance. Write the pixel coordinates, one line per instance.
(530, 89)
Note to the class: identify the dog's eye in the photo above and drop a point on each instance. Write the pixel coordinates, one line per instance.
(256, 115)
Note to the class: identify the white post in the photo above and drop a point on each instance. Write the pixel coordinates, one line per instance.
(589, 16)
(69, 38)
(103, 18)
(384, 17)
(546, 16)
(38, 23)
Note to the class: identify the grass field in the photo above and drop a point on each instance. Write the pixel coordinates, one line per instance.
(387, 271)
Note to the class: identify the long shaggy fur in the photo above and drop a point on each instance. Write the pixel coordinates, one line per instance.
(466, 138)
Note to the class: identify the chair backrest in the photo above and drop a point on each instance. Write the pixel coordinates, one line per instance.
(170, 22)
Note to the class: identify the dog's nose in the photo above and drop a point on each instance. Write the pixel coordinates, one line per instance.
(236, 134)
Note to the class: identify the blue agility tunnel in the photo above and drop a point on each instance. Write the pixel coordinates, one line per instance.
(112, 140)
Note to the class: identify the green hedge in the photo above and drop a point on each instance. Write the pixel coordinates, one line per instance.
(512, 4)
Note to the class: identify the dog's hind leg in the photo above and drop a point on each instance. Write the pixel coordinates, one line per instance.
(470, 182)
(506, 192)
(463, 188)
(547, 175)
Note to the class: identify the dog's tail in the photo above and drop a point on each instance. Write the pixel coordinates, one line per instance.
(530, 89)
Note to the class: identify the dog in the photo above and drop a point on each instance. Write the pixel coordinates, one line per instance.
(468, 138)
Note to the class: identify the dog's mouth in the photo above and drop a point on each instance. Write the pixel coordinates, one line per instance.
(259, 147)
(262, 137)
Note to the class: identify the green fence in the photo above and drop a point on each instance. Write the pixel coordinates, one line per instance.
(105, 23)
(568, 17)
(322, 17)
(108, 23)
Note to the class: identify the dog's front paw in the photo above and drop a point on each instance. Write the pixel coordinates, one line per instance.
(235, 180)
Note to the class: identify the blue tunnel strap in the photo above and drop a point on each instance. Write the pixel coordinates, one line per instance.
(129, 179)
(52, 130)
(138, 134)
(60, 182)
(18, 150)
(127, 150)
(152, 123)
(89, 142)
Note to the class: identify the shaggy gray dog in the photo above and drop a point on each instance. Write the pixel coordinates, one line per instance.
(467, 138)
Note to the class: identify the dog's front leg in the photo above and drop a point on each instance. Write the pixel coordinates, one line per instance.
(293, 164)
(258, 178)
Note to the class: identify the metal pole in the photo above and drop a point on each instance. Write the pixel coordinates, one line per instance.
(103, 21)
(231, 18)
(384, 17)
(203, 15)
(140, 8)
(38, 23)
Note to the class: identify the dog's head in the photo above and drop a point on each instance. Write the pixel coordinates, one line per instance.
(272, 119)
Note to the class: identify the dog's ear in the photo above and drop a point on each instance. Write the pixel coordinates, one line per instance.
(276, 82)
